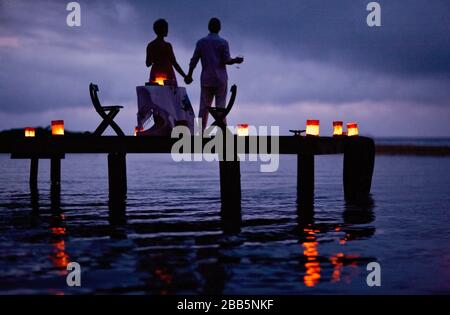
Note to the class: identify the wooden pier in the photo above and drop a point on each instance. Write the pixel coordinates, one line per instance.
(359, 156)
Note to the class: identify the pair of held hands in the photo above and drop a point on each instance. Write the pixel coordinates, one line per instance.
(188, 78)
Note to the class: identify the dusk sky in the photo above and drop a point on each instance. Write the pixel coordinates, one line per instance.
(303, 59)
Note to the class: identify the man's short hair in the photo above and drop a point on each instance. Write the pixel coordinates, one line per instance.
(214, 25)
(160, 27)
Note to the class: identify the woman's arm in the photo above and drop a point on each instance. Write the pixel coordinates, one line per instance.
(178, 68)
(175, 63)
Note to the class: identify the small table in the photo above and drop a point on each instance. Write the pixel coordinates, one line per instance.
(169, 102)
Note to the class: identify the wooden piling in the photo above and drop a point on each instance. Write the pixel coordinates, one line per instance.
(305, 179)
(117, 175)
(55, 171)
(359, 160)
(34, 166)
(55, 180)
(230, 186)
(117, 212)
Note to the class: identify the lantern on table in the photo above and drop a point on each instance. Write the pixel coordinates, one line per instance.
(58, 127)
(160, 78)
(352, 129)
(337, 128)
(30, 132)
(312, 127)
(242, 130)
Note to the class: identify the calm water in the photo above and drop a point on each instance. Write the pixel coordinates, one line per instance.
(414, 141)
(171, 240)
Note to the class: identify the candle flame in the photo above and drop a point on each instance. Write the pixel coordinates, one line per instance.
(352, 129)
(242, 130)
(312, 127)
(337, 128)
(58, 127)
(29, 132)
(160, 78)
(137, 129)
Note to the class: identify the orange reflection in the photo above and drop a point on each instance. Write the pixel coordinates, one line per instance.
(57, 231)
(336, 261)
(59, 257)
(339, 261)
(344, 240)
(312, 274)
(163, 275)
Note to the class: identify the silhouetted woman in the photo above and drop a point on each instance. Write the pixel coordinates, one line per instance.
(161, 58)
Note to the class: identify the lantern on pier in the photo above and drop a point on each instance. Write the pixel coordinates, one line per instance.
(30, 132)
(312, 127)
(137, 129)
(337, 128)
(242, 130)
(352, 129)
(58, 127)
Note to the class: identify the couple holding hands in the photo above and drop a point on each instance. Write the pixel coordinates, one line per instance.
(211, 50)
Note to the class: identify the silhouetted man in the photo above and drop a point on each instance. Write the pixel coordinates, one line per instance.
(215, 55)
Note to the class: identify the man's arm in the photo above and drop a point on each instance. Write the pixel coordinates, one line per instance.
(194, 60)
(227, 58)
(232, 61)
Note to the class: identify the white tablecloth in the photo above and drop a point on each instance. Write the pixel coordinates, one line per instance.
(172, 103)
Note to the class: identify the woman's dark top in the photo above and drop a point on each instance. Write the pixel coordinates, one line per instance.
(160, 55)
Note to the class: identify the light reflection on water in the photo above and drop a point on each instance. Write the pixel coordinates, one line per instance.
(169, 238)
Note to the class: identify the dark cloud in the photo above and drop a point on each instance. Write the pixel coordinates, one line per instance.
(413, 38)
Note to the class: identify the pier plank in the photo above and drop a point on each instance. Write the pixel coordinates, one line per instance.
(129, 144)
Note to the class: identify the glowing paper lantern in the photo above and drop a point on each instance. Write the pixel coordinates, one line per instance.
(242, 130)
(352, 129)
(312, 127)
(29, 132)
(137, 129)
(337, 128)
(58, 127)
(160, 78)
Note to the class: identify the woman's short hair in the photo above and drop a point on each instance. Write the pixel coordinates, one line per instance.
(214, 25)
(160, 27)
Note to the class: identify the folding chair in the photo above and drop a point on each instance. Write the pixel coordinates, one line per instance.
(106, 112)
(219, 114)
